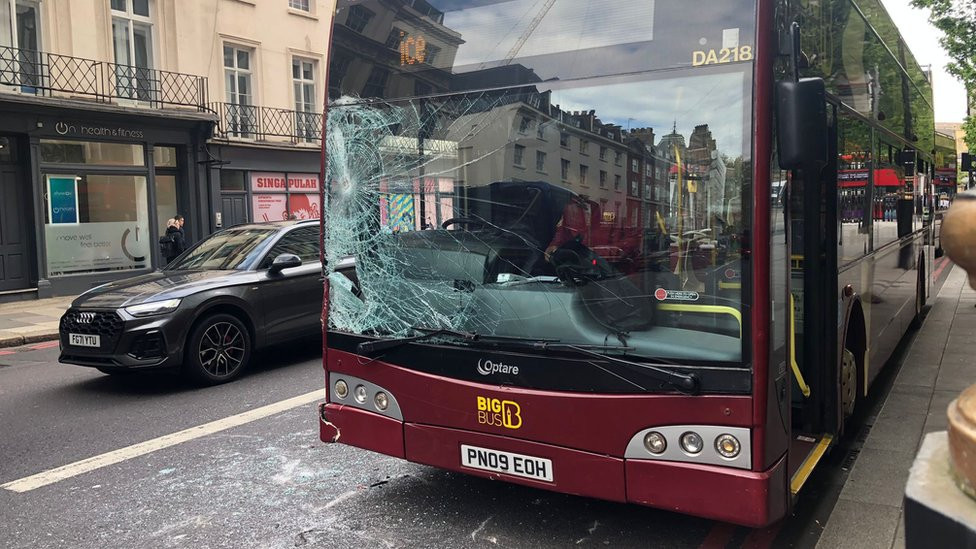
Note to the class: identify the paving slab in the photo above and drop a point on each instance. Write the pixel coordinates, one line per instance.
(935, 421)
(879, 476)
(955, 377)
(31, 321)
(859, 525)
(908, 398)
(899, 542)
(920, 374)
(896, 430)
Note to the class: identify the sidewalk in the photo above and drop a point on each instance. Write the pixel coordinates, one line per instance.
(31, 321)
(939, 365)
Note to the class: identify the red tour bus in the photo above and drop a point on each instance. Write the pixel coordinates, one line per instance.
(566, 248)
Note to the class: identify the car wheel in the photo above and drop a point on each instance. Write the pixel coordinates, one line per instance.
(218, 350)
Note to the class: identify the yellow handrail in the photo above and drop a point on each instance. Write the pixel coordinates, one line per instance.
(804, 388)
(692, 308)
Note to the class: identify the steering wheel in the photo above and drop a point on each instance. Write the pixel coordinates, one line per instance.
(462, 221)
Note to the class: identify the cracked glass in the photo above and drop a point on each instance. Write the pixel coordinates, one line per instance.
(437, 218)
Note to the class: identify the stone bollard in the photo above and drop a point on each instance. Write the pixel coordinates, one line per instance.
(938, 512)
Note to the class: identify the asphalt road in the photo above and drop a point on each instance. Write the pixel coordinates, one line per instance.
(272, 483)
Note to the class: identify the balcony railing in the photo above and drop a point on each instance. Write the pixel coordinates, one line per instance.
(259, 123)
(53, 75)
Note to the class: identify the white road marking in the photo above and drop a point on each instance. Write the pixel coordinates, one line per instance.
(58, 474)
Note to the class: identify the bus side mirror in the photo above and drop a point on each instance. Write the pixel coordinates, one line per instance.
(801, 123)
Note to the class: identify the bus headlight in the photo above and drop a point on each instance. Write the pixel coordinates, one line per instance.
(691, 443)
(341, 389)
(727, 446)
(381, 401)
(655, 442)
(360, 394)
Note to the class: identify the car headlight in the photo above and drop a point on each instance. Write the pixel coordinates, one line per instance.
(153, 308)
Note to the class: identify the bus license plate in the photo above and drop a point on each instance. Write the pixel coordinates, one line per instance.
(84, 340)
(518, 465)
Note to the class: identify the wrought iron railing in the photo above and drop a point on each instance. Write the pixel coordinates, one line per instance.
(259, 123)
(54, 75)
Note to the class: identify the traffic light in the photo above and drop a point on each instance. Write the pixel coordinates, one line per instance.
(968, 162)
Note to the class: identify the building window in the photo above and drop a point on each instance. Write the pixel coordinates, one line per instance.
(616, 182)
(303, 80)
(430, 54)
(584, 170)
(395, 38)
(565, 170)
(301, 5)
(524, 123)
(584, 146)
(337, 71)
(95, 222)
(603, 178)
(19, 29)
(358, 18)
(603, 153)
(421, 88)
(634, 188)
(540, 161)
(376, 83)
(132, 44)
(519, 154)
(564, 139)
(164, 157)
(634, 165)
(241, 114)
(540, 131)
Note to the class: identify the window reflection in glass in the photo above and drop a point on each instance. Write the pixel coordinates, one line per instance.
(854, 170)
(164, 157)
(227, 250)
(91, 152)
(166, 205)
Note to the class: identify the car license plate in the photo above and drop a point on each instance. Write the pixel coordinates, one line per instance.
(518, 465)
(84, 340)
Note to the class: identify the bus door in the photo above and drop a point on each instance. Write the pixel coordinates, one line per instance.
(813, 208)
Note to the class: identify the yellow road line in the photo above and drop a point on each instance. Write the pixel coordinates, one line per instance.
(58, 474)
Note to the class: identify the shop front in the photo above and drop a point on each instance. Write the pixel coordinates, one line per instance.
(258, 184)
(97, 188)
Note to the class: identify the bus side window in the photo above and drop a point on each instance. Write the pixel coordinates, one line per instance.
(854, 163)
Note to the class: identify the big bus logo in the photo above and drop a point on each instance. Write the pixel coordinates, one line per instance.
(499, 413)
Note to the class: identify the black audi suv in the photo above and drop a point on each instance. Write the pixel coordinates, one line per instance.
(205, 313)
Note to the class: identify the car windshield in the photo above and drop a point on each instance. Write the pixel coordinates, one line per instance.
(226, 250)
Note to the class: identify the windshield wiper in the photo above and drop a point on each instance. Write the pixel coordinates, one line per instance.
(375, 346)
(685, 383)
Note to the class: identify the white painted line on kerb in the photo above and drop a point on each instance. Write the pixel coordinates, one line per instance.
(58, 474)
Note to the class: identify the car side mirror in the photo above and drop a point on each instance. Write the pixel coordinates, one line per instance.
(285, 261)
(801, 129)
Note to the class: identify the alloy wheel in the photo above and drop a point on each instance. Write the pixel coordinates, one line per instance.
(222, 349)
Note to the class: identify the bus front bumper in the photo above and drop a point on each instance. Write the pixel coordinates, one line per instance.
(749, 498)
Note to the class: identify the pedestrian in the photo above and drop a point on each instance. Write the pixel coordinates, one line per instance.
(173, 243)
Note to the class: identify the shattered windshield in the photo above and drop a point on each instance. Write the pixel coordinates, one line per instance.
(557, 169)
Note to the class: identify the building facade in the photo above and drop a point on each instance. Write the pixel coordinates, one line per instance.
(209, 109)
